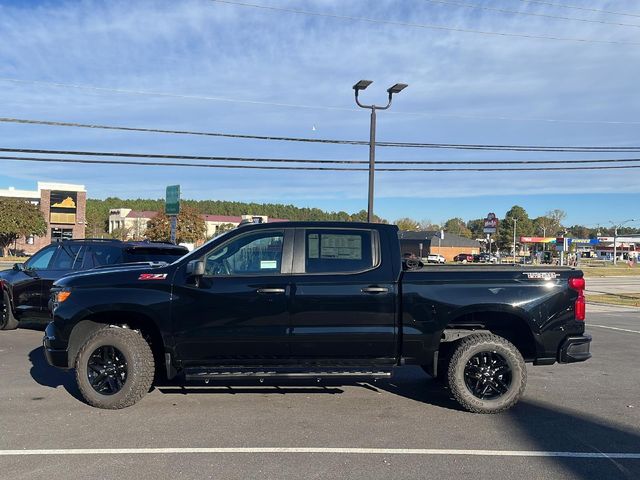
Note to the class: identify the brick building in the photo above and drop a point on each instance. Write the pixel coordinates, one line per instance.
(63, 206)
(449, 246)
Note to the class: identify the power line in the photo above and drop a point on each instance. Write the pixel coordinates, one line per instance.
(333, 169)
(323, 161)
(531, 14)
(421, 25)
(517, 148)
(586, 9)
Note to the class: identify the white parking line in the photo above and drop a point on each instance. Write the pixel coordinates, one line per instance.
(303, 450)
(615, 328)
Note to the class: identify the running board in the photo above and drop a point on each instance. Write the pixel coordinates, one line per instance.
(220, 373)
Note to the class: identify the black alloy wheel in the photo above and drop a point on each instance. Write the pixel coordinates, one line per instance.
(107, 370)
(488, 375)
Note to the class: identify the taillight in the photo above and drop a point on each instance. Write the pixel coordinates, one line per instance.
(578, 284)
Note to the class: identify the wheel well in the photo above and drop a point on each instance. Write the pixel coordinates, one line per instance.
(132, 320)
(509, 326)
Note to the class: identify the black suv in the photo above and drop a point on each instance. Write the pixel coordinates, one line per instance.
(25, 287)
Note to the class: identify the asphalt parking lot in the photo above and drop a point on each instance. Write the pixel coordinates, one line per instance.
(571, 417)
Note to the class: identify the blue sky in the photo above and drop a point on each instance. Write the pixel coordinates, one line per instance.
(463, 88)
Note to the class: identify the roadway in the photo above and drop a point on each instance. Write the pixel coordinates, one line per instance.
(407, 427)
(619, 285)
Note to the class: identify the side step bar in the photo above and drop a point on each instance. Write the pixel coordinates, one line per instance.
(220, 373)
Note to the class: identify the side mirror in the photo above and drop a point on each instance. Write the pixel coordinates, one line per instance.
(18, 267)
(195, 268)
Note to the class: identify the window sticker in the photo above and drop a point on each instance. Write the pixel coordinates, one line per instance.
(268, 264)
(347, 247)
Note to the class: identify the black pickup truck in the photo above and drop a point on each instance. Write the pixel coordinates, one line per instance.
(313, 300)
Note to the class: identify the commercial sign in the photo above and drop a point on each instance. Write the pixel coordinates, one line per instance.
(537, 239)
(491, 223)
(62, 207)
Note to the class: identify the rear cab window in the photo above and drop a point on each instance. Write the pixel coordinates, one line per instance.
(339, 251)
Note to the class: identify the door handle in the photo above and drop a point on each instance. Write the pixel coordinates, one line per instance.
(375, 290)
(270, 290)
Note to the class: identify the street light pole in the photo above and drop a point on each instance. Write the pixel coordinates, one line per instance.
(615, 238)
(362, 85)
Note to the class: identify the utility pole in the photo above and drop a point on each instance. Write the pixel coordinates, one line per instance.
(515, 224)
(362, 85)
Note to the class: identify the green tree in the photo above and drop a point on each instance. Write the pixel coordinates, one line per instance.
(580, 231)
(549, 224)
(19, 218)
(477, 228)
(191, 227)
(407, 224)
(524, 227)
(457, 226)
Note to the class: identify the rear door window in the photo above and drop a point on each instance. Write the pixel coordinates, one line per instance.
(338, 251)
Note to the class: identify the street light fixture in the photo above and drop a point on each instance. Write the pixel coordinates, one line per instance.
(615, 238)
(362, 85)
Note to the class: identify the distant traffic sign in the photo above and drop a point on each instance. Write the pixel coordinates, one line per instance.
(172, 201)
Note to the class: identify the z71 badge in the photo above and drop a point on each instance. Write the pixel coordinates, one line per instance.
(152, 276)
(542, 275)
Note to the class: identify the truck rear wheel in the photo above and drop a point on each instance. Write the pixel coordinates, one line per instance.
(7, 320)
(114, 368)
(486, 373)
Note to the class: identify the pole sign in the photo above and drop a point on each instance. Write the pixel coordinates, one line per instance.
(490, 223)
(172, 208)
(172, 200)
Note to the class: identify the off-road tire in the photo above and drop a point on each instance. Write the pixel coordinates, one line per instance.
(7, 320)
(467, 348)
(140, 367)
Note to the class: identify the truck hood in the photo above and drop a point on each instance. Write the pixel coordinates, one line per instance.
(116, 274)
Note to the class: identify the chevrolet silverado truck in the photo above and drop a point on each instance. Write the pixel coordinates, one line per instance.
(313, 300)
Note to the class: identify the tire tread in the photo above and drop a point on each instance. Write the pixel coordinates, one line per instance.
(459, 389)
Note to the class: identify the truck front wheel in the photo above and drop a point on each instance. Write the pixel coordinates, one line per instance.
(114, 368)
(486, 373)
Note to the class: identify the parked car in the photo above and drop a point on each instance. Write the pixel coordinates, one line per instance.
(486, 258)
(25, 288)
(313, 300)
(436, 258)
(463, 257)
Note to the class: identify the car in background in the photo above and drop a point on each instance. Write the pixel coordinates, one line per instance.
(485, 258)
(24, 289)
(436, 258)
(463, 257)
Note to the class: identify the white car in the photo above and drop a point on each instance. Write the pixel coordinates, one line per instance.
(436, 258)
